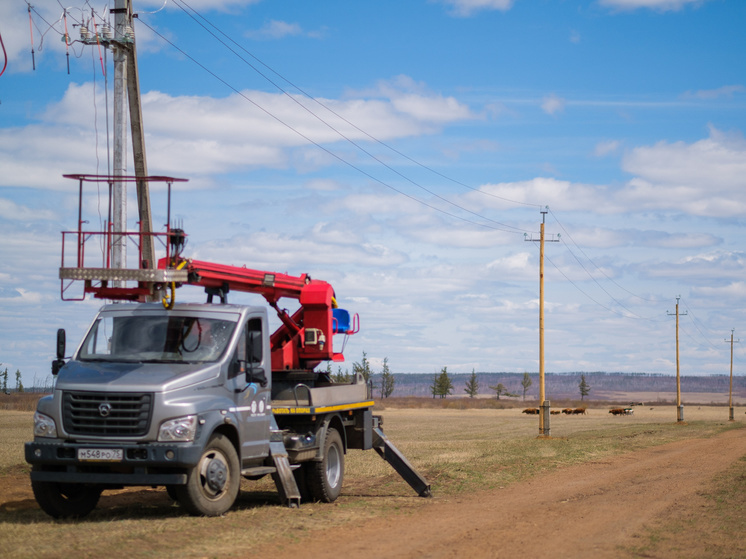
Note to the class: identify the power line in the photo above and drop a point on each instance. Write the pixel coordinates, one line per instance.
(186, 8)
(327, 108)
(502, 227)
(695, 320)
(596, 265)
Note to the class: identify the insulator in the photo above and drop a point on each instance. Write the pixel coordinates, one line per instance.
(84, 33)
(66, 39)
(129, 34)
(107, 32)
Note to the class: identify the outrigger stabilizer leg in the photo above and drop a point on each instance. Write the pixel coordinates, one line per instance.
(386, 450)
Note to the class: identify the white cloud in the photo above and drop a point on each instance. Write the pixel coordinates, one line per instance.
(518, 265)
(251, 129)
(552, 104)
(200, 5)
(13, 212)
(704, 178)
(466, 8)
(658, 5)
(606, 238)
(727, 91)
(275, 29)
(606, 147)
(275, 251)
(542, 191)
(733, 290)
(709, 269)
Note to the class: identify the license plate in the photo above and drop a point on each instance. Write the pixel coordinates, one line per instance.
(100, 454)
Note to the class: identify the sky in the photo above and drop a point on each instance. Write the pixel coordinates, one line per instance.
(407, 152)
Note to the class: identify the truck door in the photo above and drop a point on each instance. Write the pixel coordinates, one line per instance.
(250, 374)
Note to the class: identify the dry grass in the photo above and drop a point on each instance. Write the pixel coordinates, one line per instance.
(459, 451)
(19, 401)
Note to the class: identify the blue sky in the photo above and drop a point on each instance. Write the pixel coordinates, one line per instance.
(405, 158)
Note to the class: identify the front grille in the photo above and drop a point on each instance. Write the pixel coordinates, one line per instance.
(106, 414)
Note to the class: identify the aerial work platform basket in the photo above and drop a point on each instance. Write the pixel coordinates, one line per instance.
(88, 255)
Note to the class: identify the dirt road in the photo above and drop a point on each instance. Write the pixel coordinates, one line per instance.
(589, 510)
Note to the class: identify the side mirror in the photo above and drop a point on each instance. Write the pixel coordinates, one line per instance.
(61, 343)
(60, 361)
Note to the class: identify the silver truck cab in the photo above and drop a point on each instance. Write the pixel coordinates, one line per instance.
(156, 397)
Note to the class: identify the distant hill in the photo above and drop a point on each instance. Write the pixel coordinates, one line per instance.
(565, 385)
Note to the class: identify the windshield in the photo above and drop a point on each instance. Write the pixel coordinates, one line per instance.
(157, 338)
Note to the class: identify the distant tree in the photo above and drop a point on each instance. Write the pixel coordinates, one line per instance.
(499, 389)
(363, 368)
(19, 383)
(472, 385)
(340, 376)
(442, 385)
(4, 374)
(526, 384)
(387, 380)
(584, 388)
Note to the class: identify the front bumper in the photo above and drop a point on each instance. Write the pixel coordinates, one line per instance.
(141, 464)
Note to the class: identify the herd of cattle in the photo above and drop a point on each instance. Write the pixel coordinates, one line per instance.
(579, 411)
(567, 411)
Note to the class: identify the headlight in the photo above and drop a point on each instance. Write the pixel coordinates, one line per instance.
(44, 426)
(179, 429)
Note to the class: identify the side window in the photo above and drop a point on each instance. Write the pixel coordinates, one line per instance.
(254, 344)
(249, 350)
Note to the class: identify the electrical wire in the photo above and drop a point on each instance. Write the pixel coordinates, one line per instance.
(695, 320)
(31, 30)
(179, 3)
(576, 286)
(183, 5)
(502, 227)
(567, 234)
(5, 55)
(328, 125)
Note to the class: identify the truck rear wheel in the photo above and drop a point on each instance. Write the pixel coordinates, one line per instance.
(324, 479)
(213, 484)
(65, 500)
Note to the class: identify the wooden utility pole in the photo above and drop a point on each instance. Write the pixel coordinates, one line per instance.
(679, 405)
(543, 404)
(731, 416)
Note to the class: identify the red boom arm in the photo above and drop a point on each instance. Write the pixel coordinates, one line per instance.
(305, 338)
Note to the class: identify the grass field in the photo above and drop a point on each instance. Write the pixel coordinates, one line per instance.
(457, 450)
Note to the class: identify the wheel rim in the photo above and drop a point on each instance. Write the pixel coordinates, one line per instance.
(214, 474)
(333, 466)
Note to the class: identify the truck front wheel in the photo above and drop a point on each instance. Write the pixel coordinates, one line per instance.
(65, 500)
(213, 484)
(324, 479)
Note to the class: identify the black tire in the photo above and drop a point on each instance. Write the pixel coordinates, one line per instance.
(65, 500)
(213, 484)
(324, 479)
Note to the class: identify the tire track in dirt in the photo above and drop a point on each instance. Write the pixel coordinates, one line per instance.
(586, 510)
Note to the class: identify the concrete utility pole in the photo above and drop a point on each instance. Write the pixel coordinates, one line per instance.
(679, 405)
(543, 404)
(119, 188)
(731, 416)
(127, 92)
